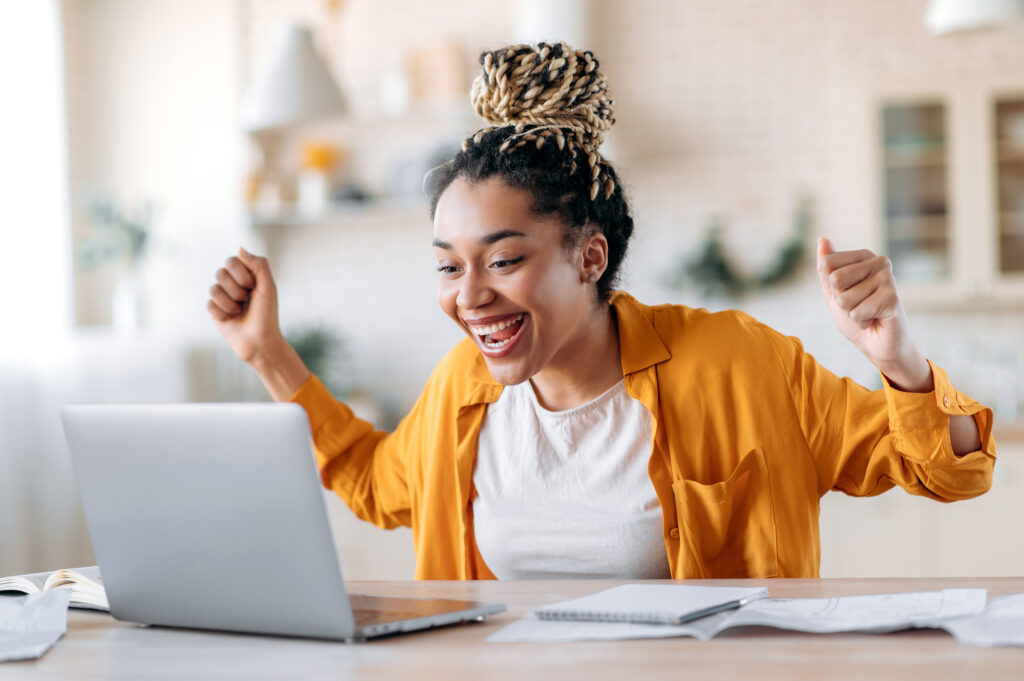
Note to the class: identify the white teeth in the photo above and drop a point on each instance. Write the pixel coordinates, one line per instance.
(499, 344)
(495, 328)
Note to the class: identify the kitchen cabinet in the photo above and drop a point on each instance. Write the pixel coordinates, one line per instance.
(899, 535)
(950, 191)
(1008, 120)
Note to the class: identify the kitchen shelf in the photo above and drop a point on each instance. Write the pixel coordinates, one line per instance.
(912, 159)
(1010, 153)
(340, 214)
(925, 227)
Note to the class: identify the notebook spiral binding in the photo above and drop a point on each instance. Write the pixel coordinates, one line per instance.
(591, 616)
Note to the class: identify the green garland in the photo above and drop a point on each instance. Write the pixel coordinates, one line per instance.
(714, 274)
(117, 234)
(319, 347)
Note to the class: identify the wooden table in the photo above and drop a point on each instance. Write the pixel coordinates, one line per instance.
(98, 647)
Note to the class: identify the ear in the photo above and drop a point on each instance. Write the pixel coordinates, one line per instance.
(593, 257)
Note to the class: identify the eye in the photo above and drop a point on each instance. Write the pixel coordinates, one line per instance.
(504, 264)
(447, 269)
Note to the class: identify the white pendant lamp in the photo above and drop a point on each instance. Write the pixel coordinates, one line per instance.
(294, 86)
(949, 16)
(545, 21)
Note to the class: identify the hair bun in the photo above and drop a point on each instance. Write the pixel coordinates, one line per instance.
(545, 85)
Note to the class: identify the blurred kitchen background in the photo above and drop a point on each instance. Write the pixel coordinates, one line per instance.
(144, 140)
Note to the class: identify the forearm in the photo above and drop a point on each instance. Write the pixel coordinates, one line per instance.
(281, 369)
(964, 434)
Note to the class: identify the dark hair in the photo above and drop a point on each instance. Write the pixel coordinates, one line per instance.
(550, 108)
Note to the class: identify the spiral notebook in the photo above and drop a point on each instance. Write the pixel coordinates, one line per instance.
(652, 603)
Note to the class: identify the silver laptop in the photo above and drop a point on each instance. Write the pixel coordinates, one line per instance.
(211, 516)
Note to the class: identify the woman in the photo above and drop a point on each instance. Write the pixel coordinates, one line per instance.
(577, 432)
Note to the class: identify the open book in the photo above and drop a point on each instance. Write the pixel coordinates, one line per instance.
(85, 584)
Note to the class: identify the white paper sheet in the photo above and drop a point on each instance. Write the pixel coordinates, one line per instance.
(870, 614)
(880, 613)
(1000, 624)
(30, 625)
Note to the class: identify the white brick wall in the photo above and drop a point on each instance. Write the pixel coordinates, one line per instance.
(725, 108)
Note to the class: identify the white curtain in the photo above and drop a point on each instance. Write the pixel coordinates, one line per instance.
(39, 518)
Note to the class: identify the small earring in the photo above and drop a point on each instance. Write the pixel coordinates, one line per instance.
(592, 279)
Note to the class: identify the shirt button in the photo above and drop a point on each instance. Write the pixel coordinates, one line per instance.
(674, 533)
(945, 400)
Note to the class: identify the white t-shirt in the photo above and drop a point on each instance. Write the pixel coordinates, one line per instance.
(567, 494)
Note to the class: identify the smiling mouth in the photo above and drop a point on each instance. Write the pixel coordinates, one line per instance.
(497, 336)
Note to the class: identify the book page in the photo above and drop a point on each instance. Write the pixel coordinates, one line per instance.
(25, 584)
(86, 586)
(1000, 624)
(873, 614)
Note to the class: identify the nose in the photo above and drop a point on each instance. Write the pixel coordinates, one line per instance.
(474, 291)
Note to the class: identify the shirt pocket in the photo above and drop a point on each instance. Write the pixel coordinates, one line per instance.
(728, 528)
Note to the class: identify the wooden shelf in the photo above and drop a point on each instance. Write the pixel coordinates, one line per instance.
(930, 157)
(1009, 152)
(917, 227)
(944, 296)
(1011, 223)
(340, 214)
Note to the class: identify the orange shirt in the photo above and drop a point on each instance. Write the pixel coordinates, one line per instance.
(749, 432)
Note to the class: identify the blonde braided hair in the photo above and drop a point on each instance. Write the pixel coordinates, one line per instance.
(548, 110)
(548, 93)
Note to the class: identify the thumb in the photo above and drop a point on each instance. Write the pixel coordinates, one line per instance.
(257, 265)
(253, 262)
(825, 247)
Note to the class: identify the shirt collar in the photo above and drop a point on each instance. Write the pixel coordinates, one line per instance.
(640, 344)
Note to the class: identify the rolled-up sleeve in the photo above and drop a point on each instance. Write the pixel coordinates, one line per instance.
(919, 423)
(863, 442)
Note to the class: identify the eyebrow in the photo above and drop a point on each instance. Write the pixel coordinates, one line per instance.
(486, 240)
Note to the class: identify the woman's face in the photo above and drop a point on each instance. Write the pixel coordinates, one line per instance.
(506, 279)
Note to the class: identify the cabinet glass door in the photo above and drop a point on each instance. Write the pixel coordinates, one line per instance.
(915, 187)
(1009, 154)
